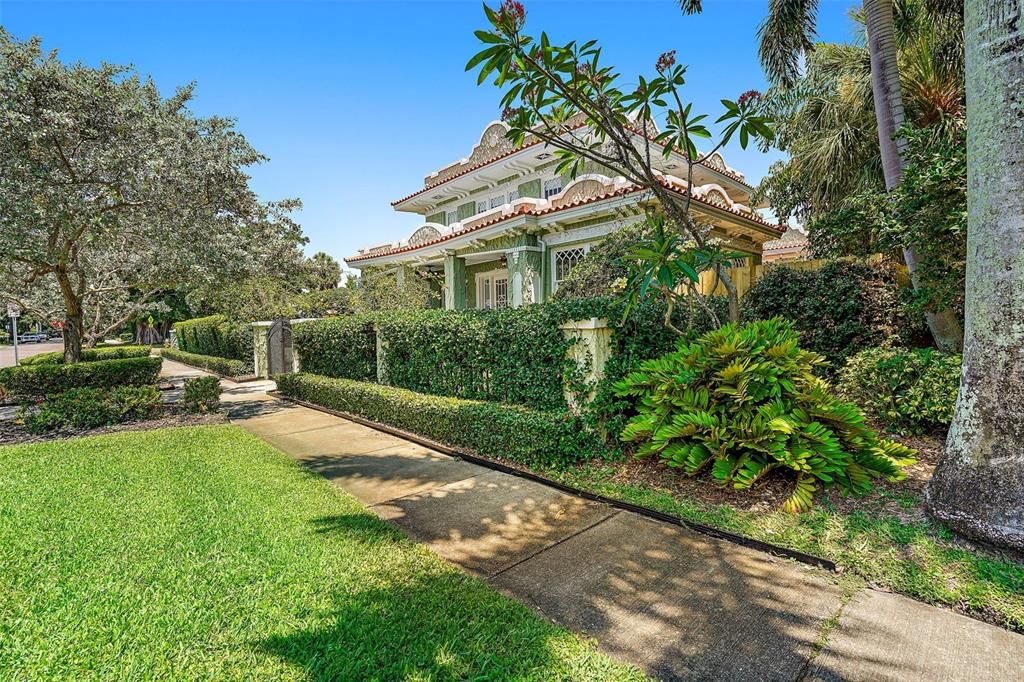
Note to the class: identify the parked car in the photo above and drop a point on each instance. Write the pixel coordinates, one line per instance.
(32, 337)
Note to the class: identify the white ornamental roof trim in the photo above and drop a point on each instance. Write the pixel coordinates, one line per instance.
(583, 190)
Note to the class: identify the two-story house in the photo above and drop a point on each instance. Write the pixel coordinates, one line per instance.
(505, 229)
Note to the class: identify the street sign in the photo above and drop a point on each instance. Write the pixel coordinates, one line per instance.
(13, 310)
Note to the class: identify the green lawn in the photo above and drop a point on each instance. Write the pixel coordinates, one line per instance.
(204, 553)
(916, 558)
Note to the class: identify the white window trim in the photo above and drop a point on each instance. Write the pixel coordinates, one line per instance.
(555, 252)
(491, 275)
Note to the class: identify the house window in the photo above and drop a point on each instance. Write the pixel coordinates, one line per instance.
(565, 261)
(481, 206)
(451, 217)
(492, 289)
(497, 201)
(552, 187)
(513, 195)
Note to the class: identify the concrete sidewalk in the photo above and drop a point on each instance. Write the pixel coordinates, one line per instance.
(678, 604)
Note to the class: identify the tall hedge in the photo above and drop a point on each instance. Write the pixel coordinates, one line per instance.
(839, 309)
(90, 355)
(215, 335)
(341, 347)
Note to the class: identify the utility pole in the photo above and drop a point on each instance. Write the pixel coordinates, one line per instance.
(13, 312)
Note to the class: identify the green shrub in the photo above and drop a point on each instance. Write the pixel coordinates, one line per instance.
(839, 309)
(912, 389)
(201, 395)
(341, 347)
(222, 366)
(46, 379)
(90, 355)
(745, 401)
(217, 336)
(505, 431)
(88, 408)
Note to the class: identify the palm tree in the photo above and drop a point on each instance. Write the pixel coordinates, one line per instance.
(978, 486)
(787, 35)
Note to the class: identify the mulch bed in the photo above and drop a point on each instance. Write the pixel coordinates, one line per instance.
(12, 433)
(773, 490)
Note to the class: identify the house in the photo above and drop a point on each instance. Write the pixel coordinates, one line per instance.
(505, 229)
(791, 246)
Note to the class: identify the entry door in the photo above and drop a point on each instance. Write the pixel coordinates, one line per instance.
(492, 289)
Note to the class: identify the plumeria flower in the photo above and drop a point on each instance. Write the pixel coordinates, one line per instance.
(512, 14)
(748, 96)
(666, 61)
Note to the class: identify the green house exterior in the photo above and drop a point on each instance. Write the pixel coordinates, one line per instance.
(505, 229)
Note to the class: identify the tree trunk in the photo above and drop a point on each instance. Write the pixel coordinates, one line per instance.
(978, 486)
(888, 99)
(74, 319)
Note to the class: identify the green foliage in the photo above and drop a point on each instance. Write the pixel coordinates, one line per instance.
(88, 408)
(90, 355)
(519, 434)
(839, 309)
(222, 366)
(379, 290)
(514, 355)
(743, 402)
(912, 389)
(216, 335)
(45, 379)
(341, 347)
(602, 272)
(201, 395)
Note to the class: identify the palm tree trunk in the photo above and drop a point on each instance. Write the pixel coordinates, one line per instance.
(888, 98)
(978, 486)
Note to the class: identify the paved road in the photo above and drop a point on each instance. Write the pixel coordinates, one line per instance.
(678, 604)
(27, 349)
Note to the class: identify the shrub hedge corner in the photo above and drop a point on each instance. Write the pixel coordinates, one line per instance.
(215, 335)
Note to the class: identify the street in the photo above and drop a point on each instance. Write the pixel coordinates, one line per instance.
(27, 349)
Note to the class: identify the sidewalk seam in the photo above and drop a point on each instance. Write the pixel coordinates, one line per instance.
(615, 512)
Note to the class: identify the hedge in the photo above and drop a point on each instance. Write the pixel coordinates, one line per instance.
(224, 366)
(532, 437)
(910, 389)
(515, 356)
(340, 347)
(217, 336)
(90, 355)
(46, 379)
(839, 309)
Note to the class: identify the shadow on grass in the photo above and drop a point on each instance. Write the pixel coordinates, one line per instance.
(431, 622)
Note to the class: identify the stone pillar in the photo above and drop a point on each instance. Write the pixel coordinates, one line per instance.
(259, 349)
(454, 282)
(590, 352)
(524, 276)
(382, 352)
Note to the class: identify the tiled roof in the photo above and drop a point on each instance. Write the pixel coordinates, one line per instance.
(726, 172)
(527, 209)
(792, 238)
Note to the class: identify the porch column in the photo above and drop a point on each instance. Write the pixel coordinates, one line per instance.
(454, 282)
(524, 275)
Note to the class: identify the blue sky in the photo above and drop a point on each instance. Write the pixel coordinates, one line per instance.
(354, 102)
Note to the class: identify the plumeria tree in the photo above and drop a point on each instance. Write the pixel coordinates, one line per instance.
(564, 95)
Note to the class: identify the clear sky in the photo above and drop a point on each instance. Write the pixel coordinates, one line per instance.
(354, 102)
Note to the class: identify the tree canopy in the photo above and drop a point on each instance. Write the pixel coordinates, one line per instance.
(112, 194)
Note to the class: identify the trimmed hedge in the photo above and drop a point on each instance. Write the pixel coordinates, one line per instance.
(90, 355)
(531, 437)
(217, 336)
(47, 379)
(340, 347)
(515, 356)
(911, 389)
(224, 366)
